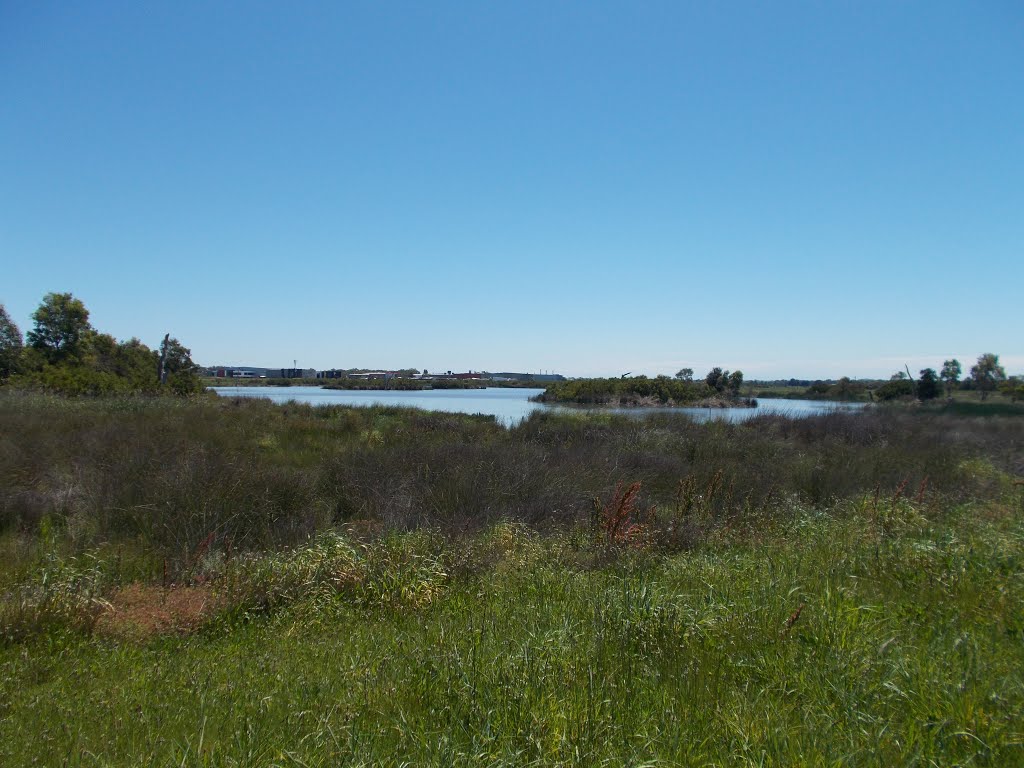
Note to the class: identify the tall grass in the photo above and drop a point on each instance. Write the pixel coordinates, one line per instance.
(165, 475)
(821, 643)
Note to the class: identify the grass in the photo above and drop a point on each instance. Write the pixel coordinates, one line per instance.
(908, 650)
(224, 582)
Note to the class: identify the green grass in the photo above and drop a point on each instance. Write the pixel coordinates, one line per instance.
(908, 651)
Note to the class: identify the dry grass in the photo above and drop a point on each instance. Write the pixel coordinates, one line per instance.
(140, 611)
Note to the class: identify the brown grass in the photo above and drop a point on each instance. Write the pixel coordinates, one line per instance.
(618, 518)
(141, 611)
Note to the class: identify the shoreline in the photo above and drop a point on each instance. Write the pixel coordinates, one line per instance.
(653, 402)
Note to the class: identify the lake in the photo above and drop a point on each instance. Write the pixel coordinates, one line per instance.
(509, 405)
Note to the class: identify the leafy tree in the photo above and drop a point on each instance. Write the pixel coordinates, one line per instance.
(928, 387)
(817, 389)
(716, 379)
(176, 367)
(987, 373)
(132, 361)
(734, 383)
(10, 344)
(950, 375)
(685, 374)
(61, 327)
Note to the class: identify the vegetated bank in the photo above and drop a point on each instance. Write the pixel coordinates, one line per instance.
(986, 377)
(406, 385)
(360, 384)
(719, 390)
(235, 582)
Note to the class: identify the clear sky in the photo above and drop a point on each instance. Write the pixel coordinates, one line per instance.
(791, 188)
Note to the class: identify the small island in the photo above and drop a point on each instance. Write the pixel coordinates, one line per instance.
(719, 389)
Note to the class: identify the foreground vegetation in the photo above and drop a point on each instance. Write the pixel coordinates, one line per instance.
(217, 582)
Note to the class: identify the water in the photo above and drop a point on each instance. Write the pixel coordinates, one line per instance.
(509, 405)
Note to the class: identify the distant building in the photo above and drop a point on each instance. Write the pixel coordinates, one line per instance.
(537, 377)
(250, 372)
(372, 375)
(295, 373)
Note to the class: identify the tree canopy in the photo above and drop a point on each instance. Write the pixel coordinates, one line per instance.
(950, 375)
(10, 344)
(61, 326)
(928, 387)
(987, 373)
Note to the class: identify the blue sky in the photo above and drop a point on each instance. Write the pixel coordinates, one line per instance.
(793, 189)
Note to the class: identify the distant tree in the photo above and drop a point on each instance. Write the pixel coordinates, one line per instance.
(842, 389)
(896, 388)
(425, 372)
(987, 373)
(928, 387)
(10, 344)
(1013, 388)
(716, 379)
(734, 382)
(950, 375)
(818, 388)
(61, 327)
(176, 368)
(898, 376)
(685, 374)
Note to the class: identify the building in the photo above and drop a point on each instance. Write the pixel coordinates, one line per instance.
(537, 377)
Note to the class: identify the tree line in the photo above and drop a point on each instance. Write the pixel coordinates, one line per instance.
(62, 352)
(719, 384)
(985, 377)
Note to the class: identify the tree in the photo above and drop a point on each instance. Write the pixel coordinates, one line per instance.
(845, 389)
(987, 373)
(176, 367)
(950, 375)
(1013, 388)
(896, 388)
(61, 327)
(685, 374)
(734, 383)
(10, 344)
(716, 379)
(131, 361)
(928, 387)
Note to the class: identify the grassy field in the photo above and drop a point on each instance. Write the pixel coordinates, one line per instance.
(235, 583)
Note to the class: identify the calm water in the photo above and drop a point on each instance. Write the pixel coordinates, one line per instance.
(508, 405)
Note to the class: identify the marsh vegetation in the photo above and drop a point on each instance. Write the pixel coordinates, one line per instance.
(217, 582)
